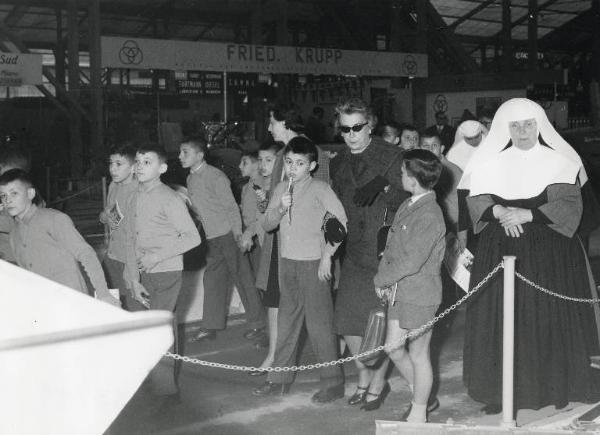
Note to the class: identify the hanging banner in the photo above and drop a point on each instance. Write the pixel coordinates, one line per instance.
(217, 56)
(17, 69)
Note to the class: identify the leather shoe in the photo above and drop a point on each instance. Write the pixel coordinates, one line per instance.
(253, 334)
(372, 405)
(432, 405)
(205, 334)
(329, 394)
(358, 397)
(271, 389)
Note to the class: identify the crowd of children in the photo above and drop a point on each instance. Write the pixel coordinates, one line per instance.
(277, 247)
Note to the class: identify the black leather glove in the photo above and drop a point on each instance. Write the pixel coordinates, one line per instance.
(365, 195)
(333, 229)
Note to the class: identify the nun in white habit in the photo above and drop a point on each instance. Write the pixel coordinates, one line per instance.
(524, 200)
(469, 135)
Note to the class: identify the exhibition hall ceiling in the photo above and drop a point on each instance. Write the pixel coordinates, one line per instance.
(474, 23)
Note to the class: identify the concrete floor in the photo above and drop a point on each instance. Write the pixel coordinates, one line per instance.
(216, 401)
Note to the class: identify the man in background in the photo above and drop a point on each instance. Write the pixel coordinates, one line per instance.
(441, 128)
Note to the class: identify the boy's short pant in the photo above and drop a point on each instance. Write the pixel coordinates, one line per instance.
(411, 316)
(114, 275)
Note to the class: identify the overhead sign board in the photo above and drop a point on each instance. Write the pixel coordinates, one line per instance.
(199, 82)
(217, 56)
(18, 69)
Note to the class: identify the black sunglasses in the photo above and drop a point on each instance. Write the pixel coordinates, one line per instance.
(355, 128)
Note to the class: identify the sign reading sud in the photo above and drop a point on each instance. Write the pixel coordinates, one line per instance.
(18, 69)
(216, 56)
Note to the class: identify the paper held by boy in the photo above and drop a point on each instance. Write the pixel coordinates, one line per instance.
(69, 362)
(458, 261)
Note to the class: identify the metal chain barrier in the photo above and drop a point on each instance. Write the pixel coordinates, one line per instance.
(557, 295)
(400, 342)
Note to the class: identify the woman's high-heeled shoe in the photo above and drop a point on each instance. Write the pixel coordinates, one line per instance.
(432, 404)
(357, 398)
(372, 405)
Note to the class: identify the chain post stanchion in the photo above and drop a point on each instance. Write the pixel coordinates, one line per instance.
(508, 342)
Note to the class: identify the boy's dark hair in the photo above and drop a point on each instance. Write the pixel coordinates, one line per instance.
(391, 124)
(15, 157)
(272, 145)
(430, 135)
(424, 166)
(125, 149)
(290, 115)
(197, 142)
(302, 145)
(16, 175)
(155, 148)
(252, 154)
(406, 126)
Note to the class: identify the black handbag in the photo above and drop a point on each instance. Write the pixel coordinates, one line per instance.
(333, 230)
(382, 235)
(374, 335)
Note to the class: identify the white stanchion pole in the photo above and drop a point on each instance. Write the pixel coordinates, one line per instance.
(508, 342)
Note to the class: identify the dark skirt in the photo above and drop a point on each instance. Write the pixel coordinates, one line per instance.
(270, 296)
(553, 337)
(355, 298)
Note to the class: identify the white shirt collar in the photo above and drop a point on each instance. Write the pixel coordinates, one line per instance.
(197, 168)
(415, 198)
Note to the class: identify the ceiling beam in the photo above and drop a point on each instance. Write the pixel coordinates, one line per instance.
(478, 40)
(204, 31)
(350, 37)
(10, 36)
(471, 13)
(15, 15)
(163, 12)
(487, 20)
(41, 88)
(191, 16)
(526, 16)
(49, 4)
(447, 38)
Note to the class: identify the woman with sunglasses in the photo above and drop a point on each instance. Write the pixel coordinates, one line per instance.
(367, 178)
